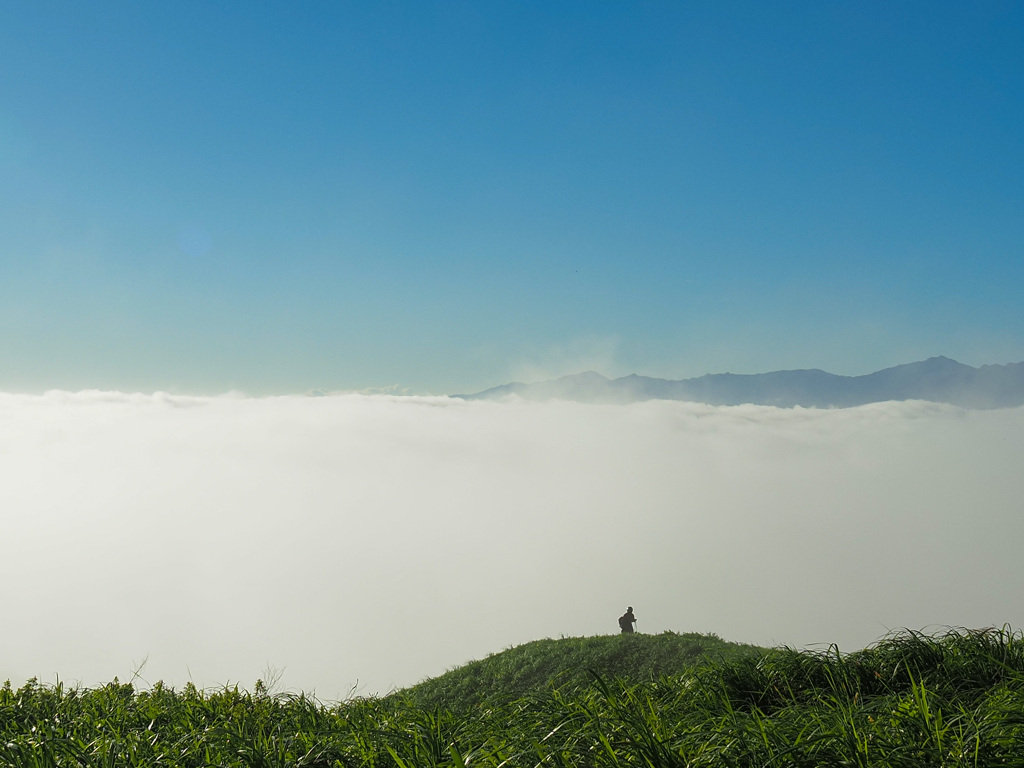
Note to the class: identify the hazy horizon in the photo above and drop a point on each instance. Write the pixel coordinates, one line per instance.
(533, 375)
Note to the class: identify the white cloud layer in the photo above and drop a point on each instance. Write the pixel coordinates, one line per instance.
(384, 539)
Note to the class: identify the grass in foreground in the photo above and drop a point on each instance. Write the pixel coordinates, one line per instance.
(912, 700)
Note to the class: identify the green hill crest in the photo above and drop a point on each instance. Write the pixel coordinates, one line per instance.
(541, 665)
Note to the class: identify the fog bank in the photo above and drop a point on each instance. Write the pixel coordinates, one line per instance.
(379, 540)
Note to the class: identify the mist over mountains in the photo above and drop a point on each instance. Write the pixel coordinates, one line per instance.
(937, 379)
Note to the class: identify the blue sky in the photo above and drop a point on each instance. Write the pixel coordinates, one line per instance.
(277, 197)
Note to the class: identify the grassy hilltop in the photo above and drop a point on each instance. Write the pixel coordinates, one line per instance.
(911, 701)
(536, 667)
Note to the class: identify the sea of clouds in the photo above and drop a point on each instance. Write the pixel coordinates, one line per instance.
(364, 542)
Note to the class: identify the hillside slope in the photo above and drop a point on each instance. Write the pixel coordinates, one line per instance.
(542, 664)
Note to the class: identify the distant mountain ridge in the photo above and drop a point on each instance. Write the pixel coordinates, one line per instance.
(937, 379)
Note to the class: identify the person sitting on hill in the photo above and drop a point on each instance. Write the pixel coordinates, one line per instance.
(627, 620)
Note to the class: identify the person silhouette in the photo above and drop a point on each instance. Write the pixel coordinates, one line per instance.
(627, 620)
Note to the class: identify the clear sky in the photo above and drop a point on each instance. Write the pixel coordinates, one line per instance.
(277, 197)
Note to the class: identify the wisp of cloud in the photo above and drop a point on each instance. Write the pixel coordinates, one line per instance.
(365, 542)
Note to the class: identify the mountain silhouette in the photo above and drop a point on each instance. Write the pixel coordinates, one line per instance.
(937, 379)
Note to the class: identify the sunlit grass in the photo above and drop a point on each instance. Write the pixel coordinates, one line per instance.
(912, 700)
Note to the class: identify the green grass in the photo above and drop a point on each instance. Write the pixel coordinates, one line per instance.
(911, 700)
(536, 667)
